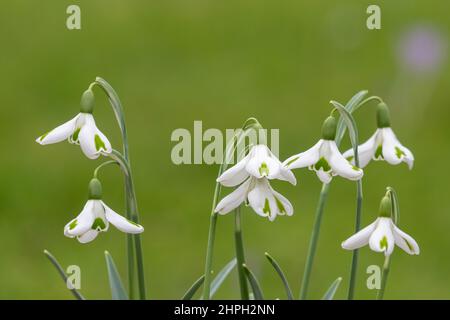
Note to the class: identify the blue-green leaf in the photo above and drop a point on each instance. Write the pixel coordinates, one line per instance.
(117, 290)
(329, 295)
(254, 283)
(351, 106)
(282, 276)
(221, 276)
(193, 289)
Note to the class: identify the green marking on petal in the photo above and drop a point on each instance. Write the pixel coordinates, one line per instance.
(99, 144)
(73, 224)
(43, 136)
(292, 161)
(280, 206)
(98, 224)
(322, 163)
(384, 243)
(356, 168)
(266, 208)
(263, 169)
(410, 247)
(399, 153)
(75, 135)
(349, 159)
(379, 152)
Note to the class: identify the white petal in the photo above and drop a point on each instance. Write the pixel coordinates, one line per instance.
(304, 159)
(340, 165)
(382, 239)
(100, 223)
(120, 222)
(82, 223)
(88, 236)
(234, 175)
(60, 133)
(408, 158)
(284, 206)
(261, 199)
(262, 163)
(361, 238)
(325, 177)
(234, 199)
(92, 141)
(405, 241)
(286, 174)
(390, 143)
(366, 151)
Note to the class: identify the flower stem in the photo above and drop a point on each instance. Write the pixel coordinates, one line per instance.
(355, 255)
(384, 277)
(313, 241)
(240, 254)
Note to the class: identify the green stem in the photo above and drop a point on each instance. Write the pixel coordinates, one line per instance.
(134, 247)
(313, 241)
(355, 255)
(240, 254)
(384, 277)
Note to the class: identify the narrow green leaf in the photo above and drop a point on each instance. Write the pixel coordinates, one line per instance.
(222, 275)
(193, 289)
(63, 275)
(351, 106)
(117, 290)
(395, 205)
(351, 125)
(254, 283)
(282, 276)
(332, 289)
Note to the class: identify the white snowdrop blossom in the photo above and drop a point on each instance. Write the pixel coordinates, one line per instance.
(96, 217)
(382, 145)
(252, 174)
(382, 236)
(325, 158)
(80, 130)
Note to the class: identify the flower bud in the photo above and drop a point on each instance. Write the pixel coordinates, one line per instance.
(329, 128)
(95, 189)
(385, 207)
(383, 118)
(87, 101)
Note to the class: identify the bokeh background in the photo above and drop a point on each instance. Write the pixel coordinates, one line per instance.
(173, 62)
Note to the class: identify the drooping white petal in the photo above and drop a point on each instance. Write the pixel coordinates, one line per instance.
(286, 174)
(304, 159)
(361, 238)
(60, 133)
(262, 163)
(366, 151)
(382, 239)
(284, 206)
(340, 165)
(234, 199)
(120, 222)
(88, 236)
(261, 199)
(325, 177)
(408, 157)
(100, 223)
(390, 147)
(82, 222)
(86, 138)
(405, 241)
(234, 175)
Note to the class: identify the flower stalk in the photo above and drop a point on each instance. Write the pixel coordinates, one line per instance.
(240, 254)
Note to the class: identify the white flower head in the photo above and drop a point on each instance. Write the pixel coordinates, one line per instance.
(252, 174)
(96, 217)
(81, 130)
(382, 145)
(382, 235)
(325, 158)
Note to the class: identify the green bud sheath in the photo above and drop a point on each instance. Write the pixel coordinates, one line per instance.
(95, 189)
(383, 118)
(385, 207)
(87, 101)
(329, 128)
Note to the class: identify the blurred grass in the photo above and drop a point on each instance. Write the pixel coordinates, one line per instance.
(173, 62)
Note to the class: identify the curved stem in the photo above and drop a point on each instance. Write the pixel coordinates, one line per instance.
(384, 277)
(313, 241)
(240, 254)
(104, 164)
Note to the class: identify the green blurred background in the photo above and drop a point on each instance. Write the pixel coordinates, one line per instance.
(173, 62)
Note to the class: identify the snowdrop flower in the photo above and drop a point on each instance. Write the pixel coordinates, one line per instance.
(325, 158)
(96, 217)
(382, 235)
(252, 174)
(383, 144)
(81, 130)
